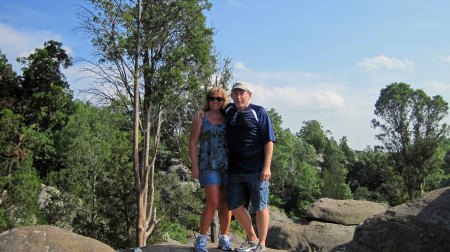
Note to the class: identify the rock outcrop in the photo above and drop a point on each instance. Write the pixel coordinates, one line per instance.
(420, 225)
(309, 236)
(48, 239)
(347, 212)
(330, 226)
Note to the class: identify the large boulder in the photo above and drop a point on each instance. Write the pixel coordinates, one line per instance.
(330, 227)
(346, 212)
(48, 239)
(277, 215)
(309, 236)
(419, 225)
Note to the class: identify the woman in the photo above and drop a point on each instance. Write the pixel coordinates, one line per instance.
(211, 166)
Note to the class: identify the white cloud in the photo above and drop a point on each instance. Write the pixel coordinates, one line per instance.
(328, 99)
(444, 58)
(21, 43)
(295, 99)
(438, 86)
(298, 90)
(241, 66)
(285, 78)
(382, 61)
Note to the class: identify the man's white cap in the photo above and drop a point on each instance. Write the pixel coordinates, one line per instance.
(240, 85)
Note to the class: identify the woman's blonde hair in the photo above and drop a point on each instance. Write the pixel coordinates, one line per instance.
(209, 93)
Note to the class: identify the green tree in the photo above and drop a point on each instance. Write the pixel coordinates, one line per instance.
(153, 53)
(46, 99)
(9, 84)
(295, 183)
(19, 183)
(180, 203)
(441, 176)
(21, 203)
(283, 160)
(312, 132)
(348, 154)
(370, 176)
(371, 170)
(411, 130)
(332, 159)
(12, 150)
(96, 169)
(334, 174)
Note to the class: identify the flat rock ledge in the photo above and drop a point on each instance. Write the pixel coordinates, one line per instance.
(47, 238)
(185, 248)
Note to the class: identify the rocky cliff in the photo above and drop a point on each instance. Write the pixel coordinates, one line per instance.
(332, 225)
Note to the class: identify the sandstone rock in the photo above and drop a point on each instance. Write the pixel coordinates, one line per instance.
(48, 239)
(420, 225)
(287, 236)
(309, 236)
(278, 215)
(347, 212)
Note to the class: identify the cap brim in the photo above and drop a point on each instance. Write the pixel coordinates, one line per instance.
(243, 89)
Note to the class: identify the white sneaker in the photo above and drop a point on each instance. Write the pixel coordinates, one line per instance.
(200, 243)
(224, 243)
(247, 246)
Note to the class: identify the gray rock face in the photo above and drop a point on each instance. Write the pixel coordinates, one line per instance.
(420, 225)
(346, 212)
(309, 236)
(331, 229)
(48, 239)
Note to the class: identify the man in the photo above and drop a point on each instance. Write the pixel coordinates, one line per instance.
(250, 139)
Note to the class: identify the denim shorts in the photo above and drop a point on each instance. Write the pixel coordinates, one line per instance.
(213, 177)
(245, 187)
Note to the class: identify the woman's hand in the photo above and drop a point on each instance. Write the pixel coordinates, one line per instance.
(195, 173)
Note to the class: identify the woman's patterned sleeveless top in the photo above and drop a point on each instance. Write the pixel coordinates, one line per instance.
(213, 154)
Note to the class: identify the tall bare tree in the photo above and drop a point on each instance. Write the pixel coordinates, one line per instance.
(151, 55)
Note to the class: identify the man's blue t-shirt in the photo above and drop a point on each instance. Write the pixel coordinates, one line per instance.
(247, 133)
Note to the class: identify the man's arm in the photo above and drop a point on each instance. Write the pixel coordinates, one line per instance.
(266, 174)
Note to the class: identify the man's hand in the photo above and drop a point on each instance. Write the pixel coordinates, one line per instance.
(198, 116)
(266, 174)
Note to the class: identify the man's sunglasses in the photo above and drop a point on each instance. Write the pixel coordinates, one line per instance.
(219, 99)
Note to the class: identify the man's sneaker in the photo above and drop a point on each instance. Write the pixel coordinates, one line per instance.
(200, 243)
(259, 248)
(224, 243)
(247, 246)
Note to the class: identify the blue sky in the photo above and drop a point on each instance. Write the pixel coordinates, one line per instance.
(324, 60)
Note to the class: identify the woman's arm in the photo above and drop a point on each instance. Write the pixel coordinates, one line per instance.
(194, 136)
